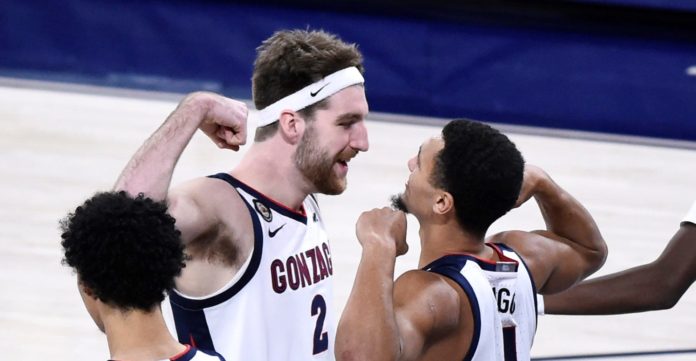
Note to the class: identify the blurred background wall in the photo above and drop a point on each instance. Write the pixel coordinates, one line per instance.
(610, 66)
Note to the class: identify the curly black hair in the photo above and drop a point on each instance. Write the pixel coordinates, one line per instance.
(482, 169)
(125, 250)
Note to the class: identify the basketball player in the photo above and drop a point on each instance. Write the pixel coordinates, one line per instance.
(258, 285)
(654, 286)
(445, 310)
(126, 253)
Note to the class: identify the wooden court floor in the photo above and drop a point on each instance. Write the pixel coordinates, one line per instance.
(59, 146)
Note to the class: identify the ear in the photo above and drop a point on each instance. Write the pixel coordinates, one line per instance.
(292, 126)
(444, 203)
(86, 290)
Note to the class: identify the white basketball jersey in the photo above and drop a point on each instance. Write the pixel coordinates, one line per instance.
(505, 319)
(279, 306)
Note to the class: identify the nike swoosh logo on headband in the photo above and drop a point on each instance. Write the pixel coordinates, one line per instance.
(318, 90)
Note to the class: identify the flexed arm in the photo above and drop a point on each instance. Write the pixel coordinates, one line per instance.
(571, 247)
(386, 319)
(367, 328)
(150, 170)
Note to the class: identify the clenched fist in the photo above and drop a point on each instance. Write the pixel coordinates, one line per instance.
(384, 228)
(224, 119)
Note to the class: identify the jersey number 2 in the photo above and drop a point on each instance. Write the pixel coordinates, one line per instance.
(321, 339)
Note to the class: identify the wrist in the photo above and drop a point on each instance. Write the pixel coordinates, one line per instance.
(193, 110)
(379, 249)
(544, 186)
(199, 102)
(380, 260)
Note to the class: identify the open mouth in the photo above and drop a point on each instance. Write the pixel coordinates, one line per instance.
(342, 167)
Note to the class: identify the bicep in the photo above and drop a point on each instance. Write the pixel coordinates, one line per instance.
(193, 216)
(412, 332)
(556, 263)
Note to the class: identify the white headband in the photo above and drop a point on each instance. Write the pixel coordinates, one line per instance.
(311, 94)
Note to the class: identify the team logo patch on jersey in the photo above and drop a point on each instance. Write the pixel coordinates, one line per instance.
(263, 211)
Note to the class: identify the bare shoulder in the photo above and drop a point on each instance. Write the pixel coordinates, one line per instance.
(429, 295)
(535, 248)
(217, 229)
(523, 242)
(209, 195)
(531, 244)
(212, 209)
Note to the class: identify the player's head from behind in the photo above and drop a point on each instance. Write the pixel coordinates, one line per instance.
(126, 252)
(471, 174)
(309, 90)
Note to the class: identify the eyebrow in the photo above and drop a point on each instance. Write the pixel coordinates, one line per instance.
(349, 117)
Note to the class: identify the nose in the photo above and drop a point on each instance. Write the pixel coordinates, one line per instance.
(411, 164)
(358, 138)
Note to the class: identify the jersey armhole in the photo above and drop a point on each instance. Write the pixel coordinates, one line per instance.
(254, 261)
(458, 278)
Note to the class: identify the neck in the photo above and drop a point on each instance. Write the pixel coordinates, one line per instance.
(137, 335)
(268, 167)
(438, 240)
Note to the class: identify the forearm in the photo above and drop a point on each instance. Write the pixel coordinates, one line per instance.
(150, 170)
(654, 286)
(367, 329)
(634, 290)
(566, 217)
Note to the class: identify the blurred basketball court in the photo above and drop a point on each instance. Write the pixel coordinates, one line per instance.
(60, 144)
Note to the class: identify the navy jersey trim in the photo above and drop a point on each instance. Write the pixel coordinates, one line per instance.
(531, 280)
(268, 202)
(191, 304)
(190, 354)
(316, 201)
(452, 270)
(185, 356)
(510, 343)
(485, 265)
(192, 328)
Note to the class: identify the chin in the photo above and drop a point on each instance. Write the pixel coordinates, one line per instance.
(333, 187)
(399, 202)
(337, 189)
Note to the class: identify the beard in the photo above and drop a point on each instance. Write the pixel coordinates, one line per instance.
(316, 164)
(397, 202)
